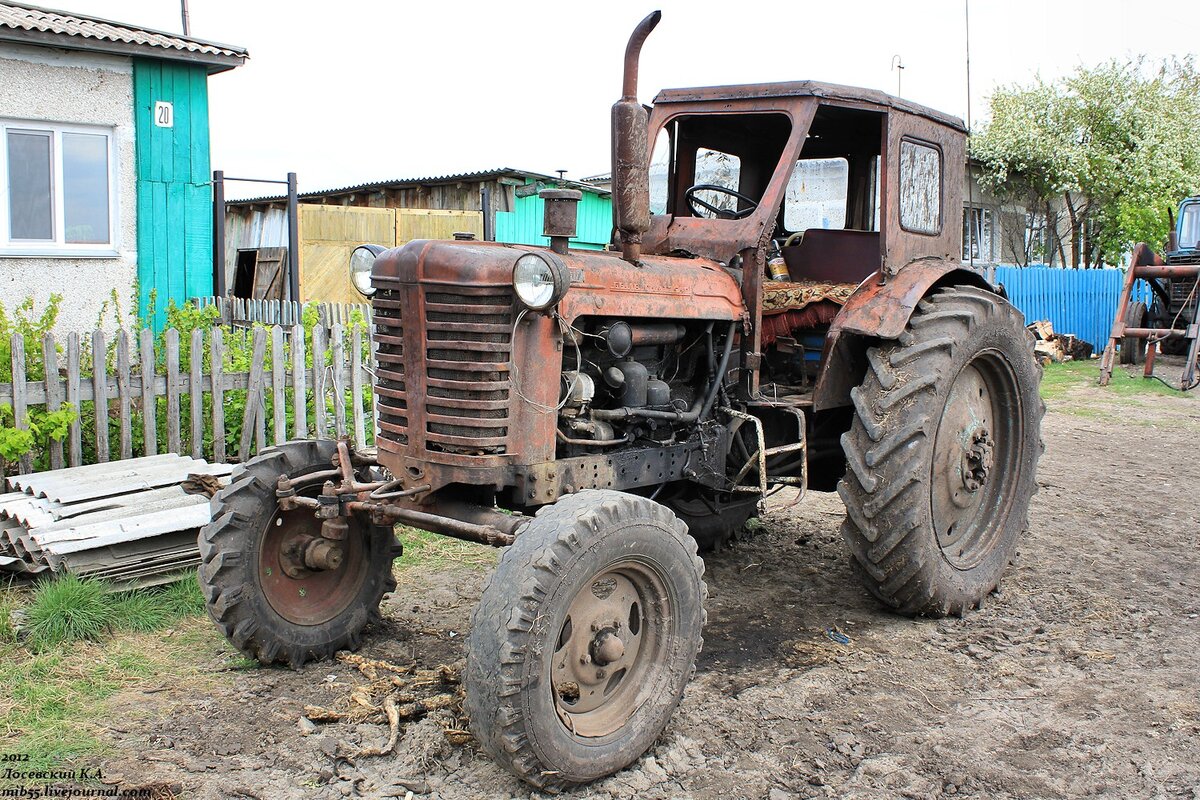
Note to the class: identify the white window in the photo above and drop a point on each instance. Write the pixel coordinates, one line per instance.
(979, 235)
(57, 190)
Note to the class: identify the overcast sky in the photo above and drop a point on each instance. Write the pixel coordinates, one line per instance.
(361, 90)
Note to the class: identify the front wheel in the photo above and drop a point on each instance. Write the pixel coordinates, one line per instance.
(942, 452)
(584, 638)
(268, 601)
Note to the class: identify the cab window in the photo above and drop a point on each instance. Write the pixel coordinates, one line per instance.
(920, 187)
(816, 194)
(735, 153)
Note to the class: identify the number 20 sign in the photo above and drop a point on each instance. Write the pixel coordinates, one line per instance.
(164, 114)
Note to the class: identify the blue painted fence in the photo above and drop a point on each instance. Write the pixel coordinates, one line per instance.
(1081, 302)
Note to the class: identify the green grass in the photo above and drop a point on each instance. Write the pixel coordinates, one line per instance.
(1059, 379)
(80, 645)
(70, 609)
(432, 551)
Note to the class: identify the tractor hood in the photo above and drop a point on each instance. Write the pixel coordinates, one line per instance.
(601, 283)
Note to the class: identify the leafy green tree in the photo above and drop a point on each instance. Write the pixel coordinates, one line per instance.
(1114, 147)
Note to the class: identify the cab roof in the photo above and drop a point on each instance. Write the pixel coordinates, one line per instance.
(832, 91)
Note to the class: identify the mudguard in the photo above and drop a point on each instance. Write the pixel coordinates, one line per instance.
(879, 311)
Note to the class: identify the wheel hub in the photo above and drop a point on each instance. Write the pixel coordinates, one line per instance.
(977, 460)
(606, 649)
(306, 577)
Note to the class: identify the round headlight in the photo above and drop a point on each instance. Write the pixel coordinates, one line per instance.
(540, 281)
(361, 262)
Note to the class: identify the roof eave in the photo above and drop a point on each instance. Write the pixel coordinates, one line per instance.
(213, 62)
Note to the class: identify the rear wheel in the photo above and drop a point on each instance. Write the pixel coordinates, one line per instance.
(1133, 349)
(584, 638)
(942, 452)
(268, 601)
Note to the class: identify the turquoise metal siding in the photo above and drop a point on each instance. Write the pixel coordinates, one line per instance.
(1081, 302)
(524, 224)
(174, 194)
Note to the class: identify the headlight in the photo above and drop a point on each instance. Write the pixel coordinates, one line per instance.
(540, 280)
(361, 262)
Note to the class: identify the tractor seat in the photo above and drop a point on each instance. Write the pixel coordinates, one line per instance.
(781, 296)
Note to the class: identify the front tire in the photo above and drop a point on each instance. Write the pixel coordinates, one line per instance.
(584, 638)
(942, 453)
(265, 607)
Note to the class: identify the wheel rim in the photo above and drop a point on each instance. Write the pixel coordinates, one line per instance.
(306, 596)
(610, 648)
(975, 459)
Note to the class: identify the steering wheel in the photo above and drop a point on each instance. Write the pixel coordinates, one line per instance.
(696, 204)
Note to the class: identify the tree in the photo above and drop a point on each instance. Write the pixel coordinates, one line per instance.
(1112, 147)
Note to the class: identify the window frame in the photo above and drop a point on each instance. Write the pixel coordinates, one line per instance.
(58, 247)
(992, 215)
(941, 189)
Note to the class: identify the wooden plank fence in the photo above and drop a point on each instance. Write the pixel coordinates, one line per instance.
(139, 385)
(242, 312)
(1081, 302)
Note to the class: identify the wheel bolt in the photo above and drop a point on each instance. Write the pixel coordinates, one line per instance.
(601, 674)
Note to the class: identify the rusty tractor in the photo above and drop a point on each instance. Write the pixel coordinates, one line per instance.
(1171, 321)
(604, 416)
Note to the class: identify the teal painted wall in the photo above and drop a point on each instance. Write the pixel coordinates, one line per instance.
(174, 192)
(523, 225)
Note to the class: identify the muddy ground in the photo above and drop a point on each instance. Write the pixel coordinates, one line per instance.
(1078, 679)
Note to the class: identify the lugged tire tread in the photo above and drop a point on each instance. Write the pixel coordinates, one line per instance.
(893, 426)
(561, 530)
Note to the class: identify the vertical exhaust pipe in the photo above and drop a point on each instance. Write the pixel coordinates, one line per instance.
(631, 151)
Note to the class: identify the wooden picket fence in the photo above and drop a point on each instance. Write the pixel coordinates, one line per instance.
(241, 311)
(277, 382)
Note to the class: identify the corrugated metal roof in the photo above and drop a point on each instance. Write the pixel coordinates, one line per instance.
(397, 183)
(28, 24)
(128, 521)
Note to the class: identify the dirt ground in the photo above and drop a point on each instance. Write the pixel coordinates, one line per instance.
(1078, 679)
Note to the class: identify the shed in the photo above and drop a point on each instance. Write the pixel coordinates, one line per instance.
(495, 205)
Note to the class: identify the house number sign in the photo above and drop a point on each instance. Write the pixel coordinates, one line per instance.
(164, 114)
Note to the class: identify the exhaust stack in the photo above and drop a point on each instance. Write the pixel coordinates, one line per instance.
(631, 151)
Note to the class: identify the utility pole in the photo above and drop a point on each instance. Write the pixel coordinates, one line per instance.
(898, 68)
(187, 26)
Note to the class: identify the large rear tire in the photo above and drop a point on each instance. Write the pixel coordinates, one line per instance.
(1133, 349)
(266, 607)
(942, 453)
(584, 638)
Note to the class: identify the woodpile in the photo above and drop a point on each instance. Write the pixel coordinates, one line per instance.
(1058, 347)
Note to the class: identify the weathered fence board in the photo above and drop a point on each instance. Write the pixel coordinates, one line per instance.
(277, 372)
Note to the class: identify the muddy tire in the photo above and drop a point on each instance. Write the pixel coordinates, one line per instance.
(942, 452)
(710, 521)
(584, 638)
(1133, 349)
(263, 611)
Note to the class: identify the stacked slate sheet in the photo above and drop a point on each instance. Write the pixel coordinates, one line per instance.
(129, 522)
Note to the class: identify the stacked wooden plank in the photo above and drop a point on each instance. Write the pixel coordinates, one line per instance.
(130, 522)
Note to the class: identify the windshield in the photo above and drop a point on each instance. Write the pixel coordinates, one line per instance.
(1189, 226)
(715, 166)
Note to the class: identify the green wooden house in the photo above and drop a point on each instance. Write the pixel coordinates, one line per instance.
(104, 164)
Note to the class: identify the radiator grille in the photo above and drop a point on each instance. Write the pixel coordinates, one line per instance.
(390, 390)
(468, 346)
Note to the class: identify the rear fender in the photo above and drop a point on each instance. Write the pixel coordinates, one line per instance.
(879, 311)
